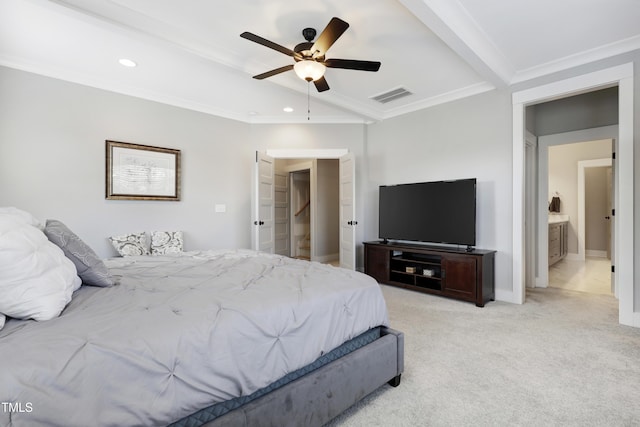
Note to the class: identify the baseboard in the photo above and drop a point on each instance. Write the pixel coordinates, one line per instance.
(327, 258)
(632, 319)
(573, 257)
(541, 283)
(595, 254)
(506, 296)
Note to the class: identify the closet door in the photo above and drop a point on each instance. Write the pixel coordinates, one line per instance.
(347, 212)
(263, 237)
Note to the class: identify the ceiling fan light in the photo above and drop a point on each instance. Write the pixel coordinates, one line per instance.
(309, 70)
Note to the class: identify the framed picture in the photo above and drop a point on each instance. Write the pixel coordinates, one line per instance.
(142, 172)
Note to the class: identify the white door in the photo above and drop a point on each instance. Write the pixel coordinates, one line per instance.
(611, 201)
(347, 212)
(263, 224)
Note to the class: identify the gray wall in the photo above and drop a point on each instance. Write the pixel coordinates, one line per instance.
(470, 138)
(589, 110)
(52, 160)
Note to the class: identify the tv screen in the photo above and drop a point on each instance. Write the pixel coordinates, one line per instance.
(436, 212)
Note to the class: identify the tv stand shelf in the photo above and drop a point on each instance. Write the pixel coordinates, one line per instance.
(426, 271)
(463, 274)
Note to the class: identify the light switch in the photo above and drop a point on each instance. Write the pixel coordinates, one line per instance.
(221, 208)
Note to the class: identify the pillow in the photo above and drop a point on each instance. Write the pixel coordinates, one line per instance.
(166, 242)
(90, 267)
(36, 279)
(2, 320)
(130, 244)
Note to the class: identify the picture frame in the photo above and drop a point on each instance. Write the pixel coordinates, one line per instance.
(141, 172)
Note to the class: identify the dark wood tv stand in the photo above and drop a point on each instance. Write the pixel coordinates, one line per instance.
(463, 274)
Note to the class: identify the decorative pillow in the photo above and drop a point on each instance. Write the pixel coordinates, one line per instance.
(90, 267)
(36, 279)
(130, 244)
(166, 242)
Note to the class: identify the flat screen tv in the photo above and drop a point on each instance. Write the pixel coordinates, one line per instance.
(435, 212)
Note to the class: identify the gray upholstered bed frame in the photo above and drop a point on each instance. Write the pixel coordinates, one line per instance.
(321, 395)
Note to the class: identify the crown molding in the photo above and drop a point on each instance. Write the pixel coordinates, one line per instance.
(304, 120)
(603, 52)
(453, 95)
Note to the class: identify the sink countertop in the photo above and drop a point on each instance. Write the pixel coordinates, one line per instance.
(555, 218)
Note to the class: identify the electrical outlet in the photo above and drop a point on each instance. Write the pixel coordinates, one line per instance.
(221, 208)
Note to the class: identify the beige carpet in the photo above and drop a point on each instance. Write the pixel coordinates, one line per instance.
(561, 359)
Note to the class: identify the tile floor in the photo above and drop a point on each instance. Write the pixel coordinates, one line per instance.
(592, 275)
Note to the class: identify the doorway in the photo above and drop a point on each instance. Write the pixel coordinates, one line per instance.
(579, 182)
(300, 196)
(622, 76)
(331, 207)
(312, 209)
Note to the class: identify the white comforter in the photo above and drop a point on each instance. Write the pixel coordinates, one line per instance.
(179, 333)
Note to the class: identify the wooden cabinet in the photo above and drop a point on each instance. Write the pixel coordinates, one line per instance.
(460, 278)
(460, 274)
(377, 260)
(558, 245)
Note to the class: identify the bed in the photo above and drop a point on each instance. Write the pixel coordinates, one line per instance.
(216, 338)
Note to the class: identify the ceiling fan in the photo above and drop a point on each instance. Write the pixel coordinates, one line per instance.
(310, 62)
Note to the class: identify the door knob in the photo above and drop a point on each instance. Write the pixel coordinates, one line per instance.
(258, 222)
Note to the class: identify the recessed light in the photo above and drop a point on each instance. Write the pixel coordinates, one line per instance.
(127, 62)
(287, 110)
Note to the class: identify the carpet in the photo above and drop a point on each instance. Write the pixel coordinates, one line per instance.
(560, 359)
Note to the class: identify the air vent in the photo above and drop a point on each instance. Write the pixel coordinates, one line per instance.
(383, 98)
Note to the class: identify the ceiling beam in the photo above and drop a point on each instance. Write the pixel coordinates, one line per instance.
(451, 22)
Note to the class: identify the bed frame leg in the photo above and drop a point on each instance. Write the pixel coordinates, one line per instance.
(395, 381)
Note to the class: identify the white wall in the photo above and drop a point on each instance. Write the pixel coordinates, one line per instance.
(470, 138)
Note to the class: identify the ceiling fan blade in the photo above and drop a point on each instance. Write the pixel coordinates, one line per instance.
(328, 37)
(321, 84)
(274, 72)
(353, 64)
(268, 43)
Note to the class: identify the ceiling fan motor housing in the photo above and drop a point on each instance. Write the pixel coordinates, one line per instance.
(309, 34)
(304, 49)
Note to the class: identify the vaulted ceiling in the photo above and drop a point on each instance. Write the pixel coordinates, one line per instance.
(189, 53)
